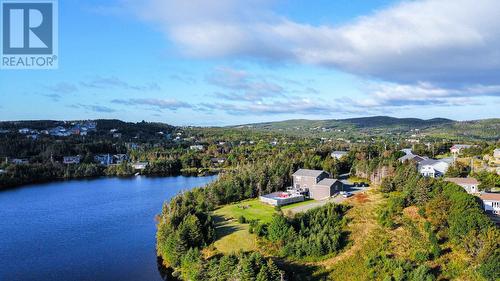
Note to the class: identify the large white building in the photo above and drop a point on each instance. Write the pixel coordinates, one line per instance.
(433, 168)
(491, 203)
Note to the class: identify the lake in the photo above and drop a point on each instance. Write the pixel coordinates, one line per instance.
(101, 229)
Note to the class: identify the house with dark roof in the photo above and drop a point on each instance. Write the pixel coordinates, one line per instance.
(315, 183)
(325, 188)
(412, 157)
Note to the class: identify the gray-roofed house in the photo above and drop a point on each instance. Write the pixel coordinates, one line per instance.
(412, 157)
(316, 183)
(469, 184)
(324, 189)
(433, 168)
(303, 179)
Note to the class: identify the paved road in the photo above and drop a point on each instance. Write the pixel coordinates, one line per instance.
(336, 199)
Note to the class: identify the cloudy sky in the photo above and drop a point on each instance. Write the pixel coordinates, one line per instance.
(231, 62)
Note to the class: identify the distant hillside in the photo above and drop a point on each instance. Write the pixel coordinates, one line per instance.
(488, 129)
(363, 122)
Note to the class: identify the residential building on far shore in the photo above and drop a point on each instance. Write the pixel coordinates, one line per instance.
(71, 159)
(19, 161)
(120, 158)
(491, 203)
(469, 184)
(104, 159)
(140, 165)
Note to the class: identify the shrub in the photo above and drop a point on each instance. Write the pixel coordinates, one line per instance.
(242, 219)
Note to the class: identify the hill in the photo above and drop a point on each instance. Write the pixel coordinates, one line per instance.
(384, 126)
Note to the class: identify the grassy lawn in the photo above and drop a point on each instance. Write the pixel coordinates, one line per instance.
(233, 237)
(291, 206)
(251, 209)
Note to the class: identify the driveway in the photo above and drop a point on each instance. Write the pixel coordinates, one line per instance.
(337, 198)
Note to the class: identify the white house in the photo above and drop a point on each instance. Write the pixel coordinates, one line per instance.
(104, 159)
(433, 168)
(120, 158)
(18, 161)
(469, 184)
(491, 202)
(140, 165)
(71, 159)
(198, 147)
(496, 153)
(338, 154)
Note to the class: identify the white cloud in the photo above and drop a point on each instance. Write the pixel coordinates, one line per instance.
(420, 94)
(158, 104)
(441, 41)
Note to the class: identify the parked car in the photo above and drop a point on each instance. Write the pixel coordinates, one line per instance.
(346, 194)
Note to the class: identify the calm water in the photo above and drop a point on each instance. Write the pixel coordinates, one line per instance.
(92, 230)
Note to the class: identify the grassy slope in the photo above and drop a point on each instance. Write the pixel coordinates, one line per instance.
(233, 236)
(366, 238)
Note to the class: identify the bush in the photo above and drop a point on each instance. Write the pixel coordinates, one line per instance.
(242, 219)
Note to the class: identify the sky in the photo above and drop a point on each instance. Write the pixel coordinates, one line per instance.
(227, 62)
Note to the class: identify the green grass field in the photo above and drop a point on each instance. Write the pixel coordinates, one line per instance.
(291, 206)
(251, 209)
(233, 236)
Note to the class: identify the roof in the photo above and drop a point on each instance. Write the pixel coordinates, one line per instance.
(459, 146)
(407, 151)
(448, 160)
(413, 157)
(327, 182)
(308, 173)
(490, 196)
(430, 162)
(340, 152)
(463, 181)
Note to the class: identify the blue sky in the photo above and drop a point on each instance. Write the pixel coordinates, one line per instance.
(230, 62)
